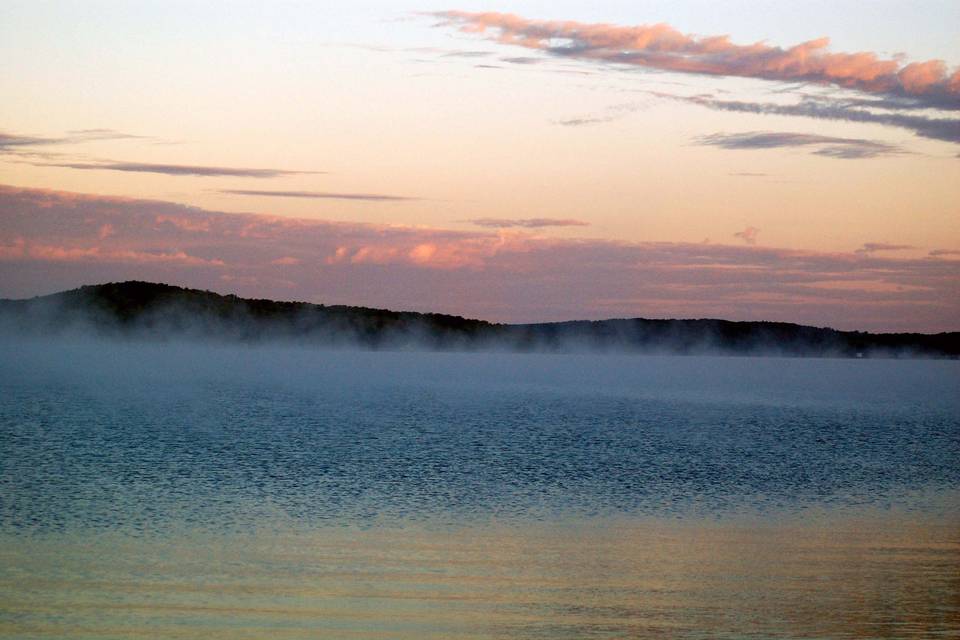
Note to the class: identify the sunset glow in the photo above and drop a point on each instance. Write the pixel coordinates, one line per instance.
(514, 162)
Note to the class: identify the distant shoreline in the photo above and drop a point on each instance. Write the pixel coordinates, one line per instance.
(155, 311)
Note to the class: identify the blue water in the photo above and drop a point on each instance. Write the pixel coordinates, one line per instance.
(176, 491)
(152, 438)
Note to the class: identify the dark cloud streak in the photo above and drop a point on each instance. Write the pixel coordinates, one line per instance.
(870, 247)
(466, 54)
(319, 195)
(522, 60)
(527, 223)
(11, 142)
(945, 129)
(23, 146)
(829, 146)
(580, 122)
(175, 169)
(748, 235)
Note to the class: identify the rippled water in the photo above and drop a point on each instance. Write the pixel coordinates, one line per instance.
(175, 491)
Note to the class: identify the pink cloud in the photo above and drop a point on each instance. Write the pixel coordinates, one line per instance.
(748, 235)
(185, 223)
(660, 46)
(20, 250)
(46, 245)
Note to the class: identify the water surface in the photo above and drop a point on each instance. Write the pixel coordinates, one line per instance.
(176, 491)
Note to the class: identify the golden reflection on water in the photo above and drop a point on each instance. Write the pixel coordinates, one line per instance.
(871, 576)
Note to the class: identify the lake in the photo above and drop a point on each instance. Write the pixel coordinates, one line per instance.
(181, 491)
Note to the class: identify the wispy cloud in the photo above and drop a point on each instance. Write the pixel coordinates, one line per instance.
(51, 240)
(748, 235)
(29, 146)
(661, 46)
(13, 141)
(871, 247)
(319, 195)
(175, 169)
(614, 112)
(939, 253)
(466, 54)
(936, 128)
(35, 148)
(586, 120)
(522, 60)
(85, 135)
(830, 146)
(527, 223)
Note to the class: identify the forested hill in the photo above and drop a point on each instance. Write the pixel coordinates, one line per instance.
(144, 310)
(161, 311)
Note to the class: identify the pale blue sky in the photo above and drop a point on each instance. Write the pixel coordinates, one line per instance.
(32, 30)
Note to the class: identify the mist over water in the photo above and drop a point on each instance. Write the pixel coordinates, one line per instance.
(284, 492)
(136, 311)
(146, 437)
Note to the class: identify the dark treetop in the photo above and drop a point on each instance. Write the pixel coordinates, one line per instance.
(147, 310)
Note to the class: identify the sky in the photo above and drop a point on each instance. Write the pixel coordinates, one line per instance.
(511, 161)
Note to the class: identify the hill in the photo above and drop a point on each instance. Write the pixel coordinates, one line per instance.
(145, 310)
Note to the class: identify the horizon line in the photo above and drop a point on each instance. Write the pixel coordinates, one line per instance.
(489, 322)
